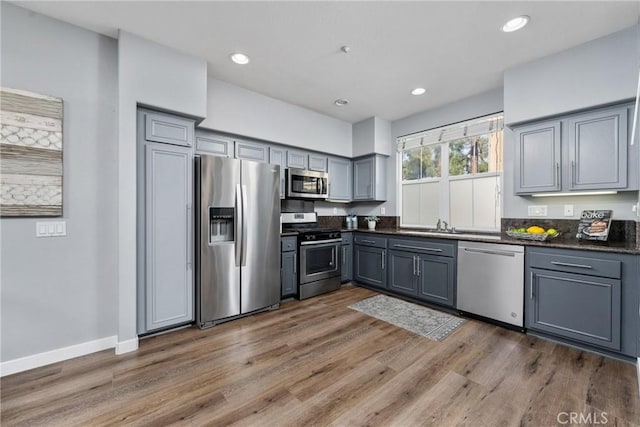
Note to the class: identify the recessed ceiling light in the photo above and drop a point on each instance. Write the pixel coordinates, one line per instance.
(240, 58)
(418, 91)
(515, 24)
(341, 102)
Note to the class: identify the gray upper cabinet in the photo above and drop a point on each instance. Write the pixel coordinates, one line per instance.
(169, 297)
(317, 163)
(587, 151)
(251, 151)
(212, 144)
(296, 159)
(538, 159)
(598, 150)
(370, 178)
(168, 129)
(340, 179)
(278, 156)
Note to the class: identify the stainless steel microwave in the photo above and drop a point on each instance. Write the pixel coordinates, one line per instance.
(304, 184)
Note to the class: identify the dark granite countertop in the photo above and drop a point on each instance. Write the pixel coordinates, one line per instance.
(560, 242)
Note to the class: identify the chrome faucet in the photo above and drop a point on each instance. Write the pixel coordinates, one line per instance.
(446, 226)
(438, 225)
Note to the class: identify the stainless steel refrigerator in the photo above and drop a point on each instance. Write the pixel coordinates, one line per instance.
(237, 238)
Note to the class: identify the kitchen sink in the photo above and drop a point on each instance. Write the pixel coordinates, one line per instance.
(456, 235)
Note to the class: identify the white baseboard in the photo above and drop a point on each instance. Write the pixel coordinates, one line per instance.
(127, 346)
(35, 361)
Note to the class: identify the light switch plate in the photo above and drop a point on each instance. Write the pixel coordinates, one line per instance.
(51, 228)
(537, 210)
(383, 210)
(568, 210)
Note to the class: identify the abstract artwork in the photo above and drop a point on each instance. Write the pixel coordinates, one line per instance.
(30, 154)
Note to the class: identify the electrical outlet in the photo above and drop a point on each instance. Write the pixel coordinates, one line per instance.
(568, 210)
(51, 228)
(382, 210)
(537, 210)
(335, 211)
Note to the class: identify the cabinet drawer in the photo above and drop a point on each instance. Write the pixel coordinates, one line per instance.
(370, 240)
(347, 238)
(169, 129)
(423, 246)
(289, 244)
(576, 264)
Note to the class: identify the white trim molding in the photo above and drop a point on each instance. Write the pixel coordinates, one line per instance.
(127, 346)
(35, 361)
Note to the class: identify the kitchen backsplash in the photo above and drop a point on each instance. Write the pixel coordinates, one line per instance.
(338, 221)
(620, 230)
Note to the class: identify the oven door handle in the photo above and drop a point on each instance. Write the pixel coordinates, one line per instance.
(320, 242)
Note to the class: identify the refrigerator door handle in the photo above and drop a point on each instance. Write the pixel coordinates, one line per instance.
(189, 243)
(239, 219)
(244, 226)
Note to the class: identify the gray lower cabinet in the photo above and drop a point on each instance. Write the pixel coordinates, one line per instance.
(289, 266)
(583, 297)
(340, 179)
(168, 289)
(414, 271)
(369, 265)
(347, 257)
(370, 178)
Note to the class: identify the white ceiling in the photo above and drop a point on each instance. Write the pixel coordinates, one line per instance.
(454, 49)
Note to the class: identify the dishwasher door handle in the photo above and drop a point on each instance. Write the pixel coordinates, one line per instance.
(492, 252)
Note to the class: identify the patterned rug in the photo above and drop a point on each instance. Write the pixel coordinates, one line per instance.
(424, 321)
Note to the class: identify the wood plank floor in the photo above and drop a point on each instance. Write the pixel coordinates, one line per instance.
(317, 362)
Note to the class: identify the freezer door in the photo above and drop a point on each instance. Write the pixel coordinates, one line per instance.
(260, 276)
(218, 290)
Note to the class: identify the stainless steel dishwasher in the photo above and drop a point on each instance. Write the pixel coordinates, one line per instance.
(491, 281)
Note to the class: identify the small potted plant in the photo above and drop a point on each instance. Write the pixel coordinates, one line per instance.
(371, 221)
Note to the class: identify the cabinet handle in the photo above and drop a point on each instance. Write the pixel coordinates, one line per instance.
(558, 175)
(368, 241)
(344, 255)
(295, 263)
(567, 264)
(531, 287)
(416, 248)
(414, 265)
(417, 265)
(384, 253)
(573, 173)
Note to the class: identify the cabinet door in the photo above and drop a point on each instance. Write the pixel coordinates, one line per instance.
(251, 151)
(435, 279)
(347, 263)
(340, 179)
(169, 129)
(538, 160)
(370, 266)
(579, 307)
(363, 179)
(169, 230)
(296, 159)
(214, 145)
(277, 156)
(289, 274)
(317, 163)
(402, 272)
(598, 150)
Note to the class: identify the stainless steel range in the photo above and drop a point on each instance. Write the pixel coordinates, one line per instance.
(318, 249)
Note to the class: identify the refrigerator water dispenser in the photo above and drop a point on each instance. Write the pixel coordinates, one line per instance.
(221, 224)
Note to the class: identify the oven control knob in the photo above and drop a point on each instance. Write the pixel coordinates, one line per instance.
(311, 237)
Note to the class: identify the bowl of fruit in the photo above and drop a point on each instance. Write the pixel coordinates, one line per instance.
(533, 232)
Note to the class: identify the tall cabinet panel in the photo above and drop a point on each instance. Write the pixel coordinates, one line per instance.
(168, 240)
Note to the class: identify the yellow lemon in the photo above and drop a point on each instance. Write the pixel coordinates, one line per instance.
(534, 229)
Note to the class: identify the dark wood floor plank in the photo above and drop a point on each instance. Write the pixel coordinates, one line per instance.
(317, 362)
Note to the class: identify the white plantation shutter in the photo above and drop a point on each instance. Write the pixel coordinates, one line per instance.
(478, 126)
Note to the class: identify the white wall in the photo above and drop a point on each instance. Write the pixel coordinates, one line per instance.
(599, 72)
(60, 292)
(159, 77)
(240, 111)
